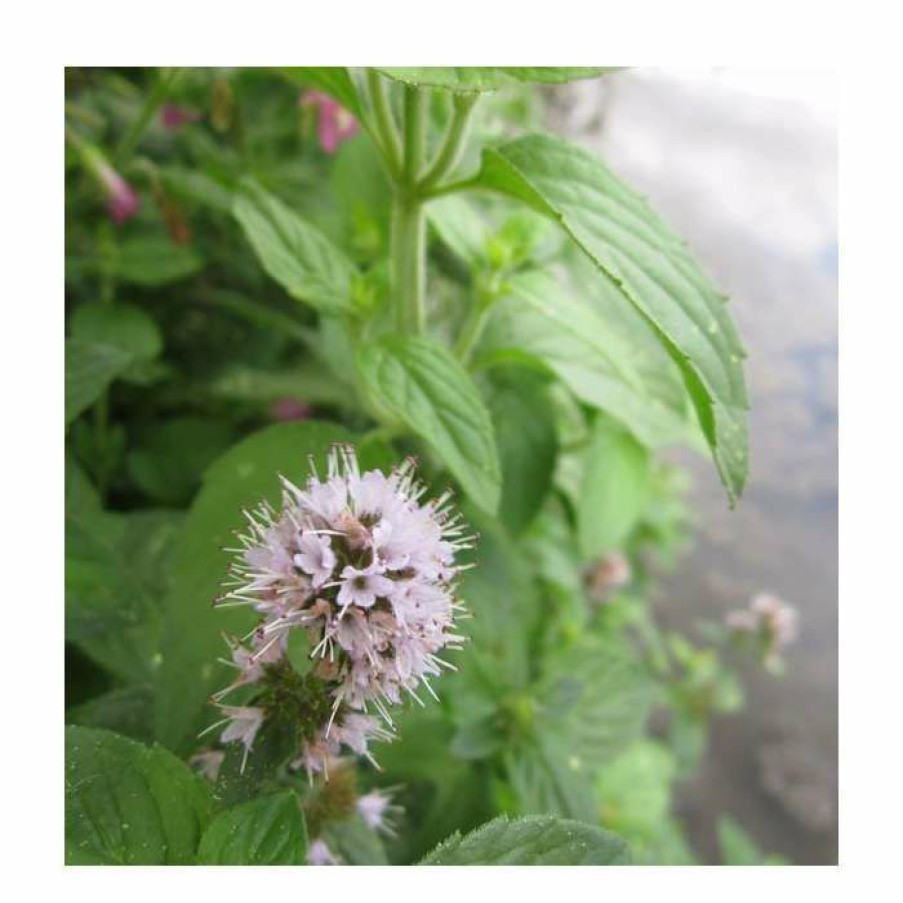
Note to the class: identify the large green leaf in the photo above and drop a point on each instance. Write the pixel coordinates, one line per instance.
(423, 385)
(296, 254)
(246, 475)
(536, 840)
(269, 830)
(474, 79)
(613, 490)
(116, 571)
(539, 319)
(524, 423)
(90, 368)
(596, 697)
(652, 268)
(129, 804)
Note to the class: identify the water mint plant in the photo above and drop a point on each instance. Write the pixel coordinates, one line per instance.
(326, 326)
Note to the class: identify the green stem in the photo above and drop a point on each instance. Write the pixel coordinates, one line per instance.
(386, 132)
(438, 191)
(152, 103)
(408, 263)
(470, 332)
(454, 143)
(409, 221)
(414, 134)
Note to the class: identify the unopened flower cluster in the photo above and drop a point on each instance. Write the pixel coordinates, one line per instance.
(768, 617)
(368, 571)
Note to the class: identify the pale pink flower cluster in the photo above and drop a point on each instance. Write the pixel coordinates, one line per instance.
(769, 617)
(368, 571)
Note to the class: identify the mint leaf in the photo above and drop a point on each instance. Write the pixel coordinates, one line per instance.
(423, 385)
(116, 570)
(269, 830)
(129, 804)
(539, 322)
(535, 840)
(614, 488)
(651, 267)
(296, 254)
(90, 368)
(154, 261)
(524, 423)
(596, 697)
(124, 326)
(474, 79)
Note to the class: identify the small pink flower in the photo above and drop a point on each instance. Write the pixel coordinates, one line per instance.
(291, 409)
(173, 117)
(612, 573)
(122, 201)
(334, 123)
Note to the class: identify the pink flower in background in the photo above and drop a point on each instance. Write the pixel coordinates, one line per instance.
(291, 409)
(334, 123)
(173, 117)
(611, 573)
(770, 618)
(122, 200)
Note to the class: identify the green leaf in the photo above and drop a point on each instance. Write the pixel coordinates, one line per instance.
(81, 496)
(298, 256)
(167, 465)
(460, 228)
(125, 710)
(194, 185)
(614, 489)
(332, 80)
(634, 791)
(246, 475)
(116, 570)
(129, 804)
(123, 326)
(536, 840)
(524, 423)
(547, 780)
(90, 368)
(547, 325)
(154, 261)
(596, 697)
(473, 79)
(423, 385)
(653, 270)
(267, 831)
(503, 596)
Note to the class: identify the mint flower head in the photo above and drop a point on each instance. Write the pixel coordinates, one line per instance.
(366, 569)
